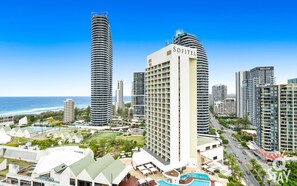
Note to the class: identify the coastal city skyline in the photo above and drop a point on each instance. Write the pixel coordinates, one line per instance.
(237, 37)
(104, 93)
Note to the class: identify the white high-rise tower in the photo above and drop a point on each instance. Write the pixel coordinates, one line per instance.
(120, 105)
(171, 105)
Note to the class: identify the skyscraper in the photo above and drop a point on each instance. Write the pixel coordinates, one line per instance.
(258, 76)
(219, 93)
(119, 104)
(275, 117)
(171, 105)
(68, 110)
(101, 71)
(241, 93)
(138, 94)
(188, 40)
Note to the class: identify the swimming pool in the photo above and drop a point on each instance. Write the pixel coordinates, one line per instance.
(195, 175)
(194, 183)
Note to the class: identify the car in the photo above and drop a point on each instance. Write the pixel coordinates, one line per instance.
(239, 161)
(243, 152)
(248, 172)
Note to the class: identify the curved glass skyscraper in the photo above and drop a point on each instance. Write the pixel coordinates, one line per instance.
(101, 75)
(188, 40)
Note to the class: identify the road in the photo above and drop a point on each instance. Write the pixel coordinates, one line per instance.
(235, 148)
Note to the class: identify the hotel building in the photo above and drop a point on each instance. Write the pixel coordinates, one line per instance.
(276, 117)
(189, 40)
(69, 111)
(120, 105)
(101, 71)
(138, 94)
(171, 105)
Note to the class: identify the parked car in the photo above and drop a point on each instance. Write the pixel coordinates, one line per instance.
(243, 152)
(248, 173)
(239, 161)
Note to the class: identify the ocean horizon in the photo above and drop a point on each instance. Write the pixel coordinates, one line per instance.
(36, 105)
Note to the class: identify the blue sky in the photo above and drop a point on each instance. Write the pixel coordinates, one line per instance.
(45, 45)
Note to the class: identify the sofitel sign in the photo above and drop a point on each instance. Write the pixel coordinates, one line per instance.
(184, 51)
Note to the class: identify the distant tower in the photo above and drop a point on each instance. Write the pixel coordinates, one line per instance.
(188, 40)
(138, 94)
(242, 78)
(258, 76)
(219, 93)
(120, 105)
(101, 73)
(68, 110)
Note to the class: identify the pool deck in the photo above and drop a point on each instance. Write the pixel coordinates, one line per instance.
(159, 176)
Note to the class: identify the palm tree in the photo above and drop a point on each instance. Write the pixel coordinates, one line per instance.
(241, 175)
(262, 173)
(253, 161)
(236, 171)
(258, 168)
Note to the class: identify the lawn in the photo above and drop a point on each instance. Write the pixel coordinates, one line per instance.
(15, 142)
(101, 135)
(140, 139)
(117, 135)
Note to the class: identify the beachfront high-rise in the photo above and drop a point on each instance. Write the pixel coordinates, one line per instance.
(242, 78)
(258, 76)
(69, 111)
(219, 93)
(276, 113)
(119, 104)
(138, 94)
(101, 73)
(171, 104)
(188, 40)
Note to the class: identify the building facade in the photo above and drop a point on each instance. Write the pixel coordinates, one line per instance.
(69, 114)
(258, 76)
(229, 105)
(171, 104)
(101, 71)
(241, 79)
(138, 95)
(292, 81)
(119, 104)
(188, 40)
(276, 113)
(219, 93)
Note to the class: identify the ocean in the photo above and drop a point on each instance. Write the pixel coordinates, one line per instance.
(33, 105)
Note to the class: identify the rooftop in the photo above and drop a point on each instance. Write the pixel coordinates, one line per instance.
(205, 140)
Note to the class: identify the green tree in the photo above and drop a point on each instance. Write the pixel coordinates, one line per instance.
(253, 162)
(262, 173)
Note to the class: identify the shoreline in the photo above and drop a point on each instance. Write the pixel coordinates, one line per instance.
(38, 110)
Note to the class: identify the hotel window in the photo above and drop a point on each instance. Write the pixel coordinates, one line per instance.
(168, 52)
(215, 158)
(72, 181)
(207, 148)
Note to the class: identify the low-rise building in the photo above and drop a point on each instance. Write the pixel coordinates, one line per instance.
(210, 149)
(63, 168)
(5, 130)
(23, 121)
